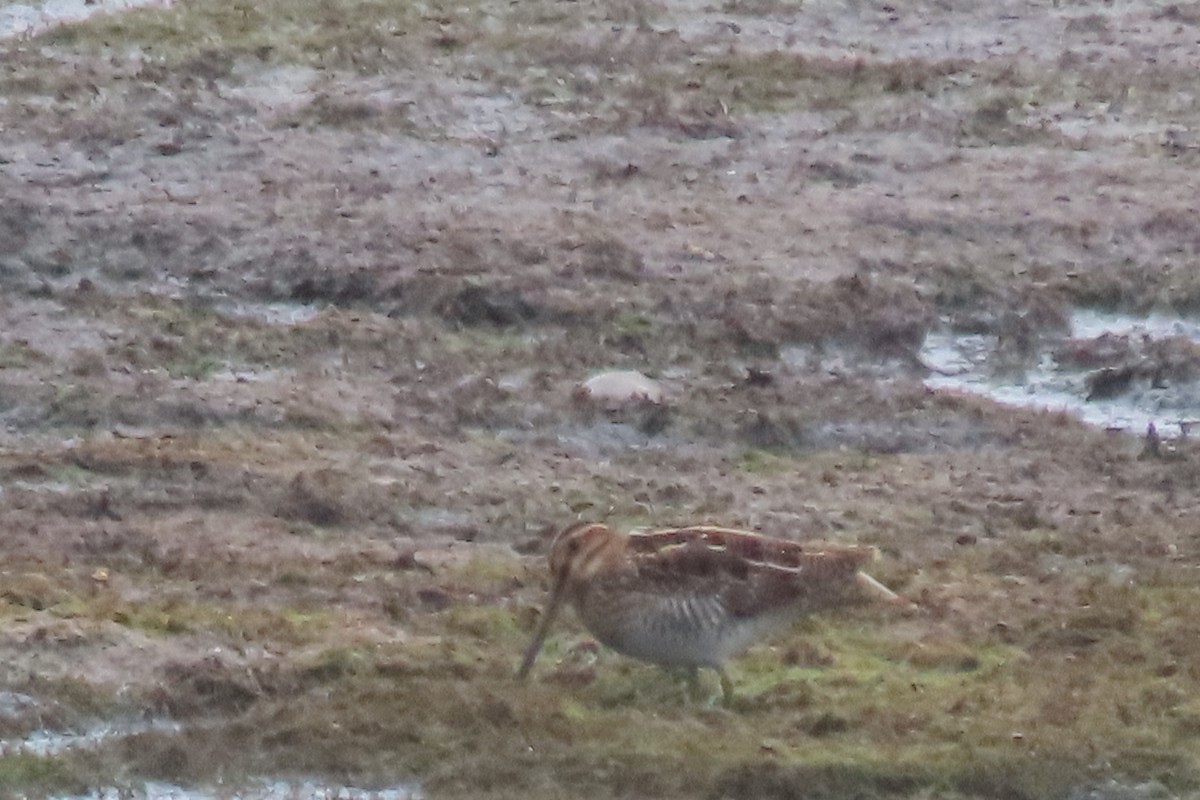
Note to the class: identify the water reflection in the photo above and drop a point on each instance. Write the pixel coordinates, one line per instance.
(265, 790)
(47, 743)
(1115, 371)
(29, 19)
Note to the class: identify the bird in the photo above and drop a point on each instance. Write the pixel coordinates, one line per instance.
(696, 596)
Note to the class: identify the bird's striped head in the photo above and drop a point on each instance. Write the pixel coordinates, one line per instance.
(583, 550)
(577, 554)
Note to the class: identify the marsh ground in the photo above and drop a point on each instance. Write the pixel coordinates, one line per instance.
(295, 295)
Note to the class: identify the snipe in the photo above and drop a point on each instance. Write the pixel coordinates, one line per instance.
(696, 597)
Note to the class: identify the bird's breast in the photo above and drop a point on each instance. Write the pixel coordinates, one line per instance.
(672, 630)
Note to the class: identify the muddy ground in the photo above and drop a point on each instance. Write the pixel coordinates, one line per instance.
(296, 295)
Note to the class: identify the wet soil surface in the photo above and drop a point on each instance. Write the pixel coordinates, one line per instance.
(298, 300)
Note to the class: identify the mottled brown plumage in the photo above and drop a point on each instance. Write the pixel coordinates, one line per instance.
(697, 596)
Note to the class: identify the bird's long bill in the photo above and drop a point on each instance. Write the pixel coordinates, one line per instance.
(539, 636)
(877, 591)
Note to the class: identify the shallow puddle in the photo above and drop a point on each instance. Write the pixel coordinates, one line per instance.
(265, 790)
(1115, 371)
(285, 314)
(30, 19)
(47, 743)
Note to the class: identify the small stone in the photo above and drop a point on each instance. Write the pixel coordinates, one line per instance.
(1168, 669)
(434, 599)
(620, 388)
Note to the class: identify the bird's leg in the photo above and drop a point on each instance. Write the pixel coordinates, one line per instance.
(692, 676)
(726, 686)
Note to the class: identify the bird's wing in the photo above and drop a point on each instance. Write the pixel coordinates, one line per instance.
(750, 574)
